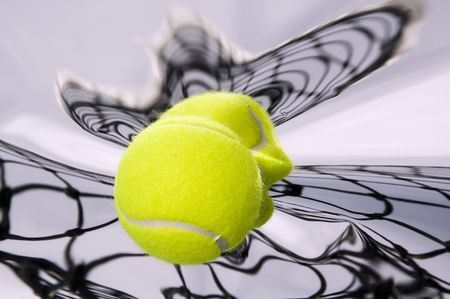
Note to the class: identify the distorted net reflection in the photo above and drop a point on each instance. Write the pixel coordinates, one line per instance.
(287, 80)
(389, 224)
(363, 251)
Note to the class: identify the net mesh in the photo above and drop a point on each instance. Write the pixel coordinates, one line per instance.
(376, 231)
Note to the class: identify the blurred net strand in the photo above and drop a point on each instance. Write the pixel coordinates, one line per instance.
(357, 263)
(288, 80)
(70, 283)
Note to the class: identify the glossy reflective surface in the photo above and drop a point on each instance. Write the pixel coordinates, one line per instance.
(339, 231)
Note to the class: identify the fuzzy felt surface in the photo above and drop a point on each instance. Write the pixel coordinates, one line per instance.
(228, 109)
(171, 244)
(192, 174)
(208, 162)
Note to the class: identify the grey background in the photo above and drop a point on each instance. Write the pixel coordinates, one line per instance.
(396, 116)
(399, 115)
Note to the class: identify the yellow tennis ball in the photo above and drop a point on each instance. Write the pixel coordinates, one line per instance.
(248, 120)
(194, 183)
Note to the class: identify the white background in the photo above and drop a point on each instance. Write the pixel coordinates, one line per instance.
(399, 115)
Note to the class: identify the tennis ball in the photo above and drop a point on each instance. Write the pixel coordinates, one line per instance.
(248, 120)
(193, 184)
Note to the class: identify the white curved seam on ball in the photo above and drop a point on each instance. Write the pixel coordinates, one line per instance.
(221, 242)
(263, 138)
(197, 126)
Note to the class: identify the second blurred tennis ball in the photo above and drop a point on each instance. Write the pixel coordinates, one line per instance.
(194, 183)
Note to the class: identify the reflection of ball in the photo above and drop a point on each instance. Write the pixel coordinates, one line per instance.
(193, 184)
